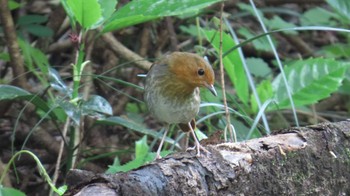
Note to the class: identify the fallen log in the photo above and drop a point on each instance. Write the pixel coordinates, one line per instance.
(313, 160)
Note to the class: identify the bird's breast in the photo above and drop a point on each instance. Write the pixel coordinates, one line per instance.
(174, 108)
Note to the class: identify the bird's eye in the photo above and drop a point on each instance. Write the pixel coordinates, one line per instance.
(200, 72)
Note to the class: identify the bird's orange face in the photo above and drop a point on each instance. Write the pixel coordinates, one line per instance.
(192, 70)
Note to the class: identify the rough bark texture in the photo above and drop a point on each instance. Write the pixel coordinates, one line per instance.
(313, 160)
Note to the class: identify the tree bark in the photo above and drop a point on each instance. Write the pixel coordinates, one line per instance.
(313, 160)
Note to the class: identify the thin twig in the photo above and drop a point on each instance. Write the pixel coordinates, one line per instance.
(228, 123)
(59, 157)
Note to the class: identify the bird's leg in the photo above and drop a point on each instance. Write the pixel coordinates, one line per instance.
(198, 145)
(161, 142)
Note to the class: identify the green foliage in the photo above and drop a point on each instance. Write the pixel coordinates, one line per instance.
(42, 171)
(342, 7)
(310, 81)
(265, 92)
(8, 92)
(6, 191)
(140, 11)
(142, 156)
(34, 24)
(89, 14)
(258, 67)
(312, 17)
(260, 44)
(232, 63)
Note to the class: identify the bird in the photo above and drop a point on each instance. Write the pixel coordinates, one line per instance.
(172, 92)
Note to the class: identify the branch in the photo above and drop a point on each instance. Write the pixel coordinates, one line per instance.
(120, 50)
(11, 42)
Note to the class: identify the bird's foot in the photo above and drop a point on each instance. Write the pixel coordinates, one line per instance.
(157, 157)
(199, 148)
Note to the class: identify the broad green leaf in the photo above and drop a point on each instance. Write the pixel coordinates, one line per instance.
(139, 11)
(69, 12)
(278, 23)
(96, 106)
(336, 50)
(309, 80)
(232, 63)
(312, 17)
(260, 44)
(264, 90)
(6, 191)
(39, 30)
(72, 110)
(31, 19)
(8, 92)
(14, 5)
(258, 67)
(57, 83)
(86, 12)
(107, 9)
(32, 57)
(342, 7)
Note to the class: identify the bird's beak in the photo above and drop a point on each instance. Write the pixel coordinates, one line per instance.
(211, 88)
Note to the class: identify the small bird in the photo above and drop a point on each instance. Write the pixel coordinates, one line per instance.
(172, 91)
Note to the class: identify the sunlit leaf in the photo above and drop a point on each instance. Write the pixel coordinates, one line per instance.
(342, 7)
(310, 81)
(139, 11)
(86, 12)
(57, 83)
(96, 106)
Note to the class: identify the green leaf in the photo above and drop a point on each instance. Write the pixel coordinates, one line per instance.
(8, 92)
(6, 191)
(14, 5)
(71, 110)
(312, 17)
(342, 7)
(32, 57)
(260, 44)
(31, 19)
(96, 106)
(142, 156)
(57, 83)
(86, 12)
(258, 67)
(139, 11)
(69, 12)
(39, 30)
(232, 63)
(309, 80)
(141, 148)
(278, 23)
(62, 189)
(336, 50)
(264, 90)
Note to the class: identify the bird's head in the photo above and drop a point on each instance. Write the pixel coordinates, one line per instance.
(192, 70)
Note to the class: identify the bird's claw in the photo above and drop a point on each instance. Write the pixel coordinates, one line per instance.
(199, 148)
